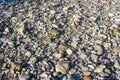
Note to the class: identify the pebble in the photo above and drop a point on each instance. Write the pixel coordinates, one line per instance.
(74, 44)
(117, 65)
(86, 77)
(57, 55)
(28, 54)
(116, 50)
(32, 60)
(72, 71)
(99, 49)
(91, 66)
(69, 51)
(44, 75)
(98, 70)
(84, 68)
(24, 77)
(62, 68)
(87, 73)
(53, 32)
(21, 30)
(94, 57)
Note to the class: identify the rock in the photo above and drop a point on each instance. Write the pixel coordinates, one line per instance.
(21, 30)
(117, 65)
(54, 25)
(87, 73)
(86, 77)
(74, 44)
(72, 71)
(98, 70)
(94, 57)
(53, 32)
(14, 19)
(62, 67)
(83, 56)
(84, 68)
(24, 77)
(69, 51)
(32, 60)
(52, 11)
(116, 50)
(28, 54)
(57, 55)
(44, 75)
(91, 66)
(99, 49)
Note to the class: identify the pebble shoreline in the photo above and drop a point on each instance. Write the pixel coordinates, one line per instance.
(60, 40)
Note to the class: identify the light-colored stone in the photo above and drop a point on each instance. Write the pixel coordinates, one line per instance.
(72, 71)
(69, 51)
(117, 65)
(86, 77)
(99, 49)
(62, 67)
(57, 55)
(91, 66)
(98, 70)
(53, 32)
(44, 75)
(28, 54)
(32, 60)
(116, 50)
(94, 57)
(21, 30)
(24, 77)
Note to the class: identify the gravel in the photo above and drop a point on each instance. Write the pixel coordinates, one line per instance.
(59, 40)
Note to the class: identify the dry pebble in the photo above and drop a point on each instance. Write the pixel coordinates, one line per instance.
(59, 40)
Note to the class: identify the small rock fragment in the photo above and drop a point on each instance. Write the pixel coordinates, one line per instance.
(69, 51)
(116, 50)
(62, 67)
(32, 60)
(44, 75)
(86, 77)
(21, 30)
(24, 77)
(98, 70)
(53, 32)
(99, 49)
(28, 54)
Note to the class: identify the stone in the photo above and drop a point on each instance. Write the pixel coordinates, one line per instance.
(69, 51)
(74, 44)
(91, 66)
(99, 49)
(72, 71)
(117, 65)
(62, 67)
(54, 25)
(94, 57)
(116, 50)
(28, 54)
(44, 75)
(86, 77)
(84, 68)
(24, 77)
(52, 11)
(32, 60)
(21, 30)
(53, 32)
(57, 55)
(98, 70)
(87, 73)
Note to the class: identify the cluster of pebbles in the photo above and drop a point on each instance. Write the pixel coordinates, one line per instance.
(60, 40)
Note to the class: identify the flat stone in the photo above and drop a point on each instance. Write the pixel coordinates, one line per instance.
(32, 60)
(99, 49)
(53, 32)
(24, 77)
(98, 70)
(62, 68)
(28, 54)
(117, 65)
(86, 77)
(94, 57)
(44, 75)
(69, 51)
(116, 50)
